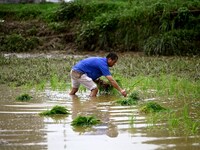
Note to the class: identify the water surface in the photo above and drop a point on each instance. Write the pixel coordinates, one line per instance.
(22, 128)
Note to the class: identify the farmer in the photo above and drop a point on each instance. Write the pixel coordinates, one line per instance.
(88, 71)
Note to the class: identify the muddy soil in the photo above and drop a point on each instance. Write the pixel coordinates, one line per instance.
(48, 38)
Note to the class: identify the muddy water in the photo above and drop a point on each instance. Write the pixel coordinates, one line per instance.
(22, 128)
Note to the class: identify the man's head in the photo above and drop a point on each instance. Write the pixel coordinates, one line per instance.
(111, 59)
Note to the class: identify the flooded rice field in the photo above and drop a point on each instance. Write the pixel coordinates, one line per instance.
(173, 82)
(22, 128)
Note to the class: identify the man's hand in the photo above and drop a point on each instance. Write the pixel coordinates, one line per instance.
(123, 92)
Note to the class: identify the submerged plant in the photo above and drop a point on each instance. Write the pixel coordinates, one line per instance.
(85, 121)
(151, 107)
(56, 110)
(24, 97)
(131, 100)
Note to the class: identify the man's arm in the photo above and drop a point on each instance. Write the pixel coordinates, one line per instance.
(116, 86)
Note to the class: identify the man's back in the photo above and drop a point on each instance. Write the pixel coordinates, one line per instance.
(94, 67)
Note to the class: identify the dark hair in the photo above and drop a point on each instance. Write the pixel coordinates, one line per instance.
(112, 55)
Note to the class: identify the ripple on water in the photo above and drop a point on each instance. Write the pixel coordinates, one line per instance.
(122, 127)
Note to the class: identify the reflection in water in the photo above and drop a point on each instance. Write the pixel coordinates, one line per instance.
(112, 130)
(19, 126)
(22, 128)
(91, 107)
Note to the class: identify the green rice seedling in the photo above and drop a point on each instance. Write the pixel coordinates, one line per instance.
(62, 85)
(24, 97)
(134, 96)
(131, 100)
(182, 123)
(82, 89)
(153, 119)
(152, 107)
(54, 81)
(85, 121)
(194, 128)
(105, 87)
(190, 126)
(173, 122)
(41, 86)
(56, 110)
(132, 120)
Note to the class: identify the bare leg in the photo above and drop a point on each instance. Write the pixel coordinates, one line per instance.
(73, 91)
(94, 92)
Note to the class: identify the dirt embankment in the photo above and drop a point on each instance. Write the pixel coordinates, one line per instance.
(47, 39)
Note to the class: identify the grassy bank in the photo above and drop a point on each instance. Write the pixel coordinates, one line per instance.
(28, 11)
(154, 27)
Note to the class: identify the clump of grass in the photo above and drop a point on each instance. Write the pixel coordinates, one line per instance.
(105, 87)
(152, 107)
(189, 125)
(18, 43)
(177, 122)
(178, 42)
(131, 100)
(85, 121)
(24, 97)
(56, 110)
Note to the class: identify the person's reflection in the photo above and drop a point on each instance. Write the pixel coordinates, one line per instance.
(83, 107)
(112, 130)
(90, 107)
(76, 106)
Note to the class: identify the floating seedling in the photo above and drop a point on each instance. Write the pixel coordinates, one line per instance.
(85, 121)
(151, 107)
(131, 100)
(56, 110)
(24, 97)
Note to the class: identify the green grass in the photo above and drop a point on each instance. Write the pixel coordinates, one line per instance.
(152, 107)
(167, 86)
(56, 110)
(28, 11)
(155, 26)
(131, 100)
(176, 122)
(169, 77)
(105, 86)
(85, 121)
(24, 97)
(35, 71)
(164, 27)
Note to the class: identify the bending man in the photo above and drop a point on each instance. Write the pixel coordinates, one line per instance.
(88, 70)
